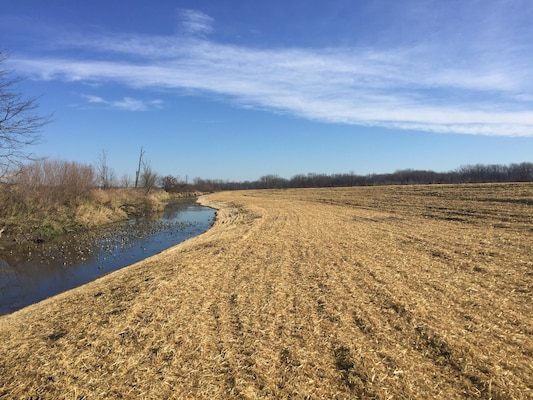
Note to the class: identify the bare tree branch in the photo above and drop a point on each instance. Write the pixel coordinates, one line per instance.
(148, 177)
(105, 174)
(19, 122)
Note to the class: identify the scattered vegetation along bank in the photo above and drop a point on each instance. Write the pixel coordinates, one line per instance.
(391, 292)
(50, 197)
(39, 213)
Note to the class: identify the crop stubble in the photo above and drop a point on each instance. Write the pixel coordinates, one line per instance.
(376, 292)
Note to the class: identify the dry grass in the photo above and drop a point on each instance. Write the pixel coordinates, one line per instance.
(110, 205)
(383, 292)
(40, 213)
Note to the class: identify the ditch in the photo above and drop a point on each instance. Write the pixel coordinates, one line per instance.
(35, 271)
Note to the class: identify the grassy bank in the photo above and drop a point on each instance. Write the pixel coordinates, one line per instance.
(411, 292)
(40, 213)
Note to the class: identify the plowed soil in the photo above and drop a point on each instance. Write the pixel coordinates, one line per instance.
(410, 292)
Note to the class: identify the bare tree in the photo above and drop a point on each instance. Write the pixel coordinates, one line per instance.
(138, 172)
(148, 177)
(105, 174)
(19, 122)
(169, 183)
(125, 181)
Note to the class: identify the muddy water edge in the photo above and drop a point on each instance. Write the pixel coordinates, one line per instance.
(34, 271)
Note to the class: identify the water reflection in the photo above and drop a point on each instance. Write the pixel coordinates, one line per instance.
(41, 270)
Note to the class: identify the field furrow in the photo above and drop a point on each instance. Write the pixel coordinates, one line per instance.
(375, 293)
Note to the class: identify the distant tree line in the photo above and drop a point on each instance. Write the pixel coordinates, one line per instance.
(478, 173)
(72, 179)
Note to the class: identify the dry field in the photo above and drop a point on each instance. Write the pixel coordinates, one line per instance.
(409, 292)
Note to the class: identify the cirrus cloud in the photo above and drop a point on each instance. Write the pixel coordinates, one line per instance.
(412, 88)
(126, 103)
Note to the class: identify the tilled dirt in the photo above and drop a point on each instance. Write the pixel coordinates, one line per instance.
(374, 293)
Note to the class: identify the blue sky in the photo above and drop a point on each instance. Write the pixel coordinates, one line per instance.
(235, 90)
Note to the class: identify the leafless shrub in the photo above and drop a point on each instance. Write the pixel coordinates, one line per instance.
(105, 174)
(42, 186)
(65, 178)
(148, 177)
(125, 181)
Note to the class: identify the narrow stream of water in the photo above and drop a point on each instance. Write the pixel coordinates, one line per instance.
(39, 271)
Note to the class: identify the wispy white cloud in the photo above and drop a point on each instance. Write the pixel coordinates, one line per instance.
(196, 22)
(94, 99)
(414, 88)
(126, 103)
